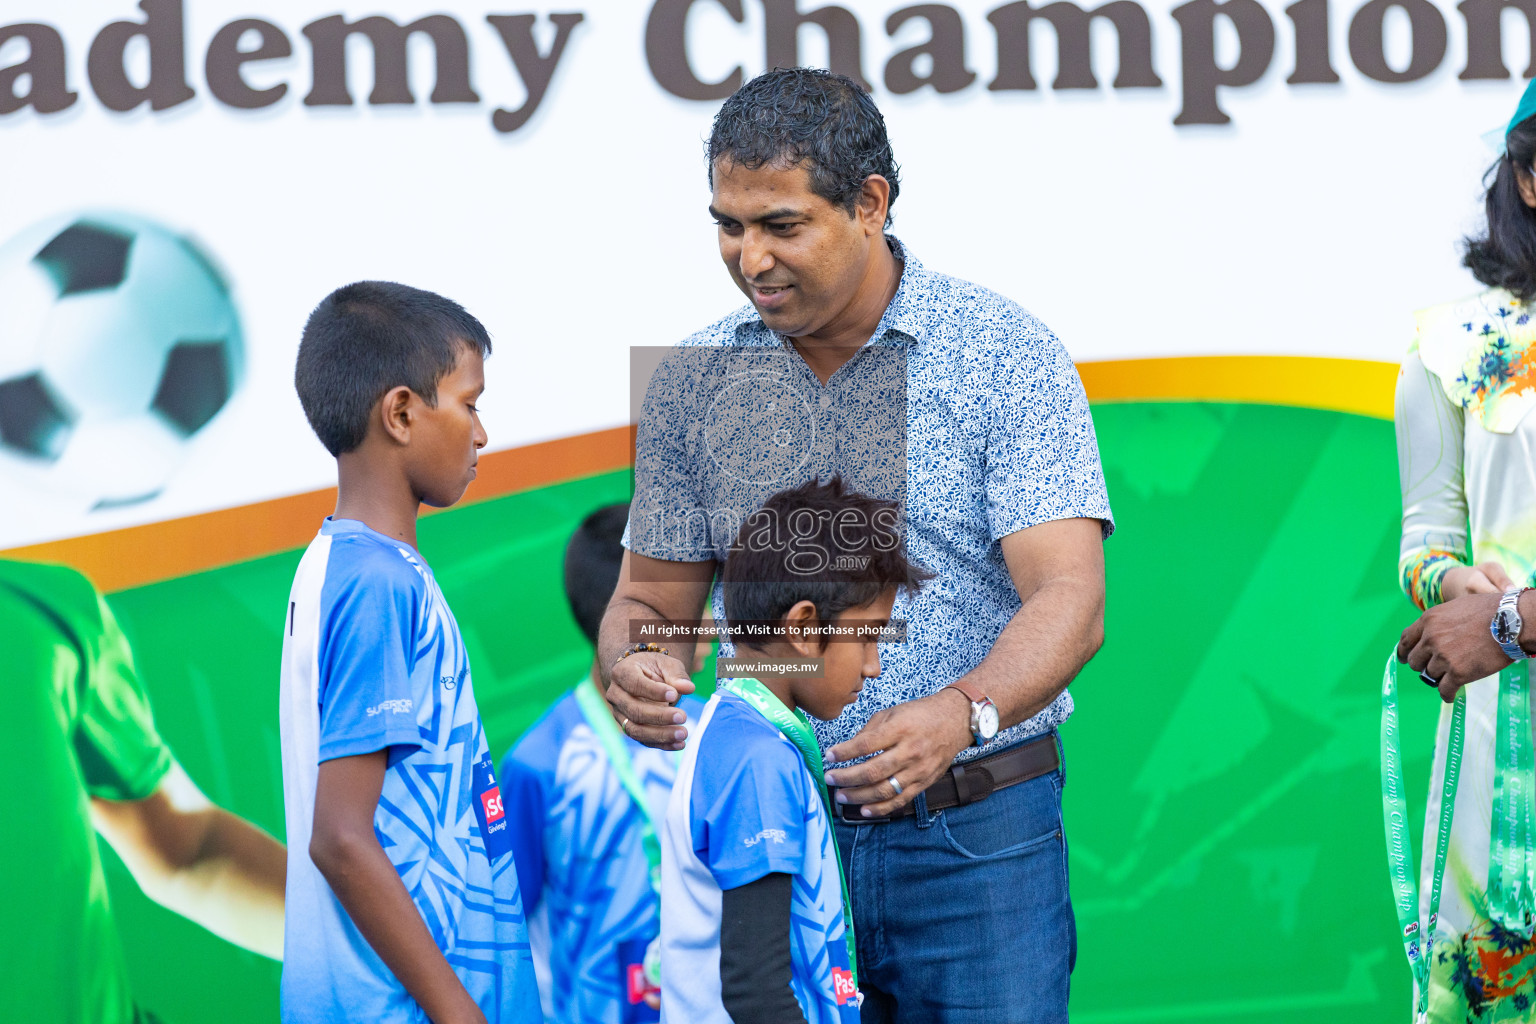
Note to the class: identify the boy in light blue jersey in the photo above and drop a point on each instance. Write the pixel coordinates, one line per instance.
(583, 801)
(402, 900)
(755, 926)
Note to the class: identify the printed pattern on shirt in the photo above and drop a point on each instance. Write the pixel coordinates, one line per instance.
(995, 436)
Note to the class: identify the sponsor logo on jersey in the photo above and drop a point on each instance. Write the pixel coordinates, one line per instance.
(773, 834)
(843, 988)
(398, 707)
(491, 801)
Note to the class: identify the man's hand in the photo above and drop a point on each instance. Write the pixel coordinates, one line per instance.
(643, 688)
(1451, 643)
(919, 740)
(642, 694)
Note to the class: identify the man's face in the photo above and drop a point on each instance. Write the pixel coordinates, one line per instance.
(446, 439)
(797, 257)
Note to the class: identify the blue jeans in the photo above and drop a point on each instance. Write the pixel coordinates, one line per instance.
(964, 916)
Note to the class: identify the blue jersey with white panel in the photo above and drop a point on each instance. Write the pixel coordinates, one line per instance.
(745, 806)
(373, 660)
(581, 866)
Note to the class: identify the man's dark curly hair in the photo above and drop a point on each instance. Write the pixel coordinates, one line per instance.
(793, 116)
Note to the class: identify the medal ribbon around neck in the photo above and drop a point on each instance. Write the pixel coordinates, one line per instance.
(797, 729)
(594, 708)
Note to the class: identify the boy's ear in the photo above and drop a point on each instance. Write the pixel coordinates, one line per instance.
(800, 617)
(395, 413)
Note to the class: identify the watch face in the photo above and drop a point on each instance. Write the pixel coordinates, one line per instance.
(987, 721)
(1505, 627)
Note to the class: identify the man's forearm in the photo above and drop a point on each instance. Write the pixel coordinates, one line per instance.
(1043, 647)
(613, 635)
(376, 900)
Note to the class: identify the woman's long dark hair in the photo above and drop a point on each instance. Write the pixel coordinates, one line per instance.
(1506, 256)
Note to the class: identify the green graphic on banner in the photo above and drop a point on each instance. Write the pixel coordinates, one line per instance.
(1222, 768)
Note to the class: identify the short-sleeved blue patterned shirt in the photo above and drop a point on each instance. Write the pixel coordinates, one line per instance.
(962, 406)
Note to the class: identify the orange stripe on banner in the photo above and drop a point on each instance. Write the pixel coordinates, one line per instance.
(179, 547)
(1360, 386)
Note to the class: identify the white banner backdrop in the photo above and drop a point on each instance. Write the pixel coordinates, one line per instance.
(570, 217)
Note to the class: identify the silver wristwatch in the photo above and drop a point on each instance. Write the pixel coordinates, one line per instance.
(1507, 622)
(984, 718)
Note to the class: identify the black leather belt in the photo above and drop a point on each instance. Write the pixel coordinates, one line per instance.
(976, 780)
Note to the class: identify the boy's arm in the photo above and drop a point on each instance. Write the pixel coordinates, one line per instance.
(755, 962)
(347, 852)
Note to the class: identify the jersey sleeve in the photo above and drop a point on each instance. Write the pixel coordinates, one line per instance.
(1429, 459)
(122, 756)
(368, 632)
(753, 823)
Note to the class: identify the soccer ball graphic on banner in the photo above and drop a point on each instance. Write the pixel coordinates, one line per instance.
(118, 343)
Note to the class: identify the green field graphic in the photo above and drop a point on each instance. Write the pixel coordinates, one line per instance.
(1222, 794)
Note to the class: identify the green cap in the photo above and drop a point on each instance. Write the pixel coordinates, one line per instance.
(1527, 108)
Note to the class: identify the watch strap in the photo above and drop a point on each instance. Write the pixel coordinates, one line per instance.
(971, 691)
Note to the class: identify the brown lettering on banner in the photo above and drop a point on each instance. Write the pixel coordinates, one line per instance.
(1074, 68)
(945, 50)
(1485, 38)
(225, 59)
(781, 37)
(1202, 75)
(534, 68)
(47, 85)
(391, 73)
(167, 85)
(1366, 46)
(666, 51)
(1313, 65)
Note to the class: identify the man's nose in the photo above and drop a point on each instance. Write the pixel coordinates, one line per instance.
(756, 255)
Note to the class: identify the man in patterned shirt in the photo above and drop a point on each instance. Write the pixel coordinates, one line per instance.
(854, 359)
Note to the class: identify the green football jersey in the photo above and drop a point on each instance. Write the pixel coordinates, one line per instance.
(82, 729)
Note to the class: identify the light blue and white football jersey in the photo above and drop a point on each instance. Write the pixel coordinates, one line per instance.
(744, 806)
(373, 660)
(580, 864)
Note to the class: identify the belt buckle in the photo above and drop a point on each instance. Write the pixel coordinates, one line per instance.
(850, 815)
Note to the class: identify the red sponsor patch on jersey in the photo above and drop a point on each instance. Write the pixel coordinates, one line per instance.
(637, 984)
(491, 800)
(842, 986)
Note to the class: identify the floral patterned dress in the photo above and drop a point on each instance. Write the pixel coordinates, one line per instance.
(1467, 459)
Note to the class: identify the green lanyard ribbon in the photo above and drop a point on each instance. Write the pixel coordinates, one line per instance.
(594, 708)
(1405, 884)
(797, 729)
(1512, 842)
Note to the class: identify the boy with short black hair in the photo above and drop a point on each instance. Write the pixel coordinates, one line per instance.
(402, 896)
(584, 801)
(755, 925)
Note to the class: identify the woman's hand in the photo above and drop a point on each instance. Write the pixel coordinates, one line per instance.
(1483, 578)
